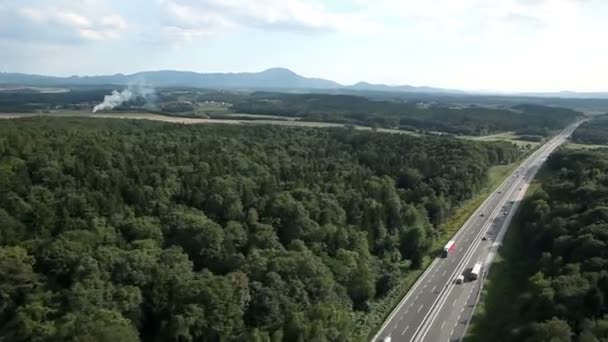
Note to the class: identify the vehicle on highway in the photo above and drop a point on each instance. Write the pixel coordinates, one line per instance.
(504, 213)
(460, 279)
(482, 215)
(387, 339)
(449, 248)
(475, 271)
(484, 238)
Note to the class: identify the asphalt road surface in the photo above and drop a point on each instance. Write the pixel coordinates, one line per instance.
(438, 309)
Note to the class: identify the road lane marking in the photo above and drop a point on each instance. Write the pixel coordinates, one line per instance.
(404, 330)
(420, 308)
(444, 272)
(455, 300)
(442, 324)
(470, 252)
(434, 287)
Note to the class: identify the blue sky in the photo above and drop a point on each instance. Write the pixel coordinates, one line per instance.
(505, 45)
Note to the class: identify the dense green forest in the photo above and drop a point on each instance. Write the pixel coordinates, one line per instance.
(531, 121)
(470, 120)
(594, 131)
(120, 230)
(561, 257)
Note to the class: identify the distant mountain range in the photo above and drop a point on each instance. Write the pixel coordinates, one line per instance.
(271, 79)
(275, 78)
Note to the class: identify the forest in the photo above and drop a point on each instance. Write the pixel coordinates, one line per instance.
(525, 119)
(126, 230)
(593, 132)
(561, 256)
(531, 121)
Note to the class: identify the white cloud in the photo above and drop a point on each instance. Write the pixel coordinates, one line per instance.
(58, 22)
(201, 18)
(114, 21)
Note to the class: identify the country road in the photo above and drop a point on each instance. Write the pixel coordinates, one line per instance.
(438, 309)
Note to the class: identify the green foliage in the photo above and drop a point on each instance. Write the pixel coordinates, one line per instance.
(565, 225)
(118, 230)
(593, 132)
(527, 119)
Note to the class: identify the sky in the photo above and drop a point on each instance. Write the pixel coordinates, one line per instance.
(494, 45)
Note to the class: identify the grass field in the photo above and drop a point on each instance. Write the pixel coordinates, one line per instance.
(260, 116)
(211, 109)
(186, 120)
(497, 313)
(506, 136)
(575, 146)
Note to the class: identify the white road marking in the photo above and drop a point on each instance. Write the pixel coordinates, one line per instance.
(420, 308)
(404, 330)
(455, 300)
(434, 287)
(443, 274)
(442, 324)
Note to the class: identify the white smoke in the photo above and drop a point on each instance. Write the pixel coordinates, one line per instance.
(133, 91)
(113, 100)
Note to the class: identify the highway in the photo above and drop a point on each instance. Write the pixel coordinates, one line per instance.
(438, 309)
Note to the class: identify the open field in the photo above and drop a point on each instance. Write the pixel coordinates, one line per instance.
(576, 146)
(42, 90)
(260, 116)
(183, 120)
(506, 136)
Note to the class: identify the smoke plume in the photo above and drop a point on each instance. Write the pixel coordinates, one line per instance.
(132, 92)
(113, 100)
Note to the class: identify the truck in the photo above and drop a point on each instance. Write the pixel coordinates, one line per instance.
(449, 248)
(475, 271)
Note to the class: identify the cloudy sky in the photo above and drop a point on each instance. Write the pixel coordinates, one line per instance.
(508, 45)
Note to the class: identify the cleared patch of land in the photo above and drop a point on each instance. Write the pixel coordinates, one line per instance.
(186, 120)
(42, 90)
(506, 136)
(260, 116)
(577, 146)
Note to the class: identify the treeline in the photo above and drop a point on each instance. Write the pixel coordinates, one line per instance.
(594, 131)
(471, 120)
(565, 248)
(125, 230)
(18, 102)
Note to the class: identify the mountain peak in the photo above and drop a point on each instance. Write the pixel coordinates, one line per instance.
(279, 71)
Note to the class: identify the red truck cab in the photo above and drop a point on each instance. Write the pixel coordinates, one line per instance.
(448, 249)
